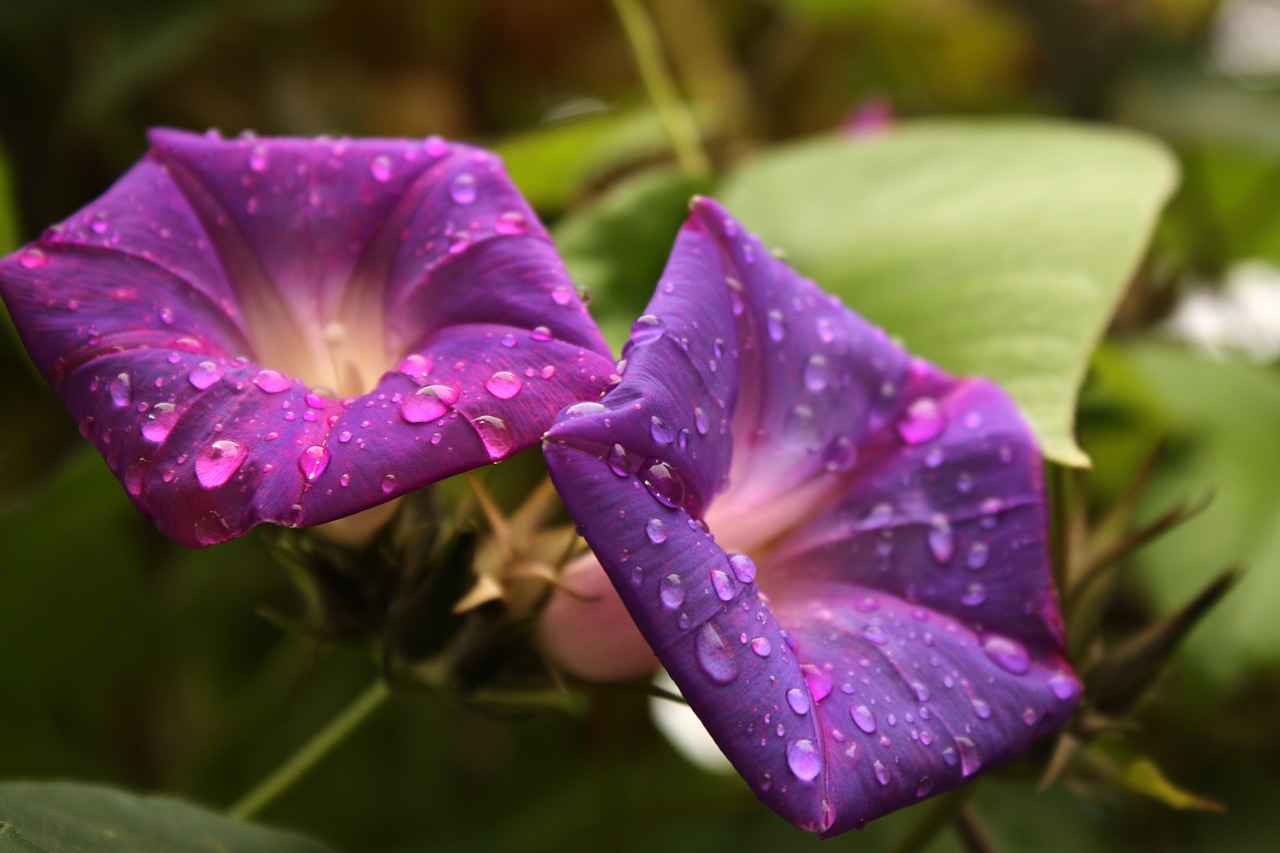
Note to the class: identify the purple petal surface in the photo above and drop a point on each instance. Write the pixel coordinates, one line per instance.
(292, 330)
(836, 550)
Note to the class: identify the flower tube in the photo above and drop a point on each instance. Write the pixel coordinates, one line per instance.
(837, 550)
(293, 330)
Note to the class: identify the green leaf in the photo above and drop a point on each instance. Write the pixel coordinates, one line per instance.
(992, 248)
(8, 217)
(66, 817)
(1144, 777)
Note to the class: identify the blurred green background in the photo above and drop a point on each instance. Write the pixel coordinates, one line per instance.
(127, 660)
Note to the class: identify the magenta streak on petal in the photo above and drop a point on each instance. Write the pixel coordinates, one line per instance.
(244, 305)
(901, 632)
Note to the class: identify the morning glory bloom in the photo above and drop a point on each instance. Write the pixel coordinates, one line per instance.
(837, 550)
(292, 330)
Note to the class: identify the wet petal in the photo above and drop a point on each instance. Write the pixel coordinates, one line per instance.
(874, 619)
(245, 328)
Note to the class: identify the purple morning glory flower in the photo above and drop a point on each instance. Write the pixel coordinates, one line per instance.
(837, 550)
(291, 330)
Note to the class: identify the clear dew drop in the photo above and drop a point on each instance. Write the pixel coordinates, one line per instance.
(463, 188)
(817, 373)
(744, 568)
(647, 329)
(804, 759)
(662, 481)
(619, 461)
(540, 334)
(923, 787)
(32, 258)
(205, 374)
(882, 772)
(258, 159)
(941, 540)
(974, 594)
(981, 708)
(511, 224)
(121, 390)
(715, 655)
(970, 759)
(723, 585)
(312, 462)
(762, 647)
(159, 422)
(671, 591)
(428, 403)
(496, 435)
(388, 484)
(776, 325)
(272, 381)
(1062, 686)
(922, 421)
(380, 168)
(979, 554)
(863, 718)
(504, 385)
(217, 462)
(656, 530)
(798, 700)
(582, 410)
(662, 432)
(700, 421)
(817, 681)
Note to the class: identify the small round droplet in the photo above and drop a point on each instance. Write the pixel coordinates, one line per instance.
(504, 385)
(388, 484)
(656, 530)
(974, 594)
(804, 759)
(979, 553)
(981, 708)
(662, 432)
(970, 759)
(863, 718)
(496, 436)
(463, 188)
(312, 462)
(380, 168)
(723, 585)
(511, 224)
(762, 647)
(776, 324)
(121, 390)
(715, 655)
(272, 381)
(1062, 685)
(798, 700)
(205, 374)
(923, 421)
(32, 258)
(217, 462)
(428, 403)
(744, 568)
(671, 591)
(882, 772)
(817, 373)
(160, 422)
(700, 421)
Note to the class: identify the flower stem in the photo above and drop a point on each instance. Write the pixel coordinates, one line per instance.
(320, 745)
(934, 818)
(672, 111)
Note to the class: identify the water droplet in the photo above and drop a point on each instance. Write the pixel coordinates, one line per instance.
(978, 555)
(205, 374)
(776, 324)
(463, 188)
(723, 585)
(923, 421)
(817, 373)
(619, 461)
(934, 457)
(32, 258)
(826, 330)
(990, 512)
(581, 410)
(314, 400)
(508, 340)
(715, 655)
(662, 432)
(1062, 685)
(744, 568)
(964, 482)
(973, 595)
(388, 484)
(798, 700)
(762, 647)
(921, 691)
(380, 168)
(217, 462)
(415, 366)
(981, 708)
(121, 390)
(941, 540)
(511, 224)
(312, 462)
(496, 435)
(540, 333)
(923, 787)
(671, 591)
(1029, 716)
(863, 718)
(817, 680)
(504, 385)
(700, 422)
(160, 422)
(428, 403)
(656, 530)
(166, 316)
(804, 759)
(98, 224)
(663, 483)
(882, 772)
(970, 760)
(647, 329)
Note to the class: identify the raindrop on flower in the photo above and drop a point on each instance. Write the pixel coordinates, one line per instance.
(121, 390)
(863, 718)
(428, 403)
(923, 421)
(970, 760)
(671, 591)
(973, 595)
(205, 374)
(714, 654)
(723, 585)
(312, 462)
(272, 381)
(663, 483)
(776, 324)
(380, 168)
(656, 530)
(979, 553)
(388, 484)
(882, 773)
(495, 434)
(804, 759)
(504, 385)
(463, 188)
(762, 647)
(817, 373)
(798, 700)
(32, 258)
(647, 329)
(218, 461)
(662, 432)
(744, 568)
(941, 539)
(160, 422)
(511, 223)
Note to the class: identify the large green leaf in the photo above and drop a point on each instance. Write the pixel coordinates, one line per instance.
(992, 248)
(63, 817)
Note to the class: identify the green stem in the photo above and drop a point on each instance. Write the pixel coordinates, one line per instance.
(674, 114)
(320, 745)
(937, 817)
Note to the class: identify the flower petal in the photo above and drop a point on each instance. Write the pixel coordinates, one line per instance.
(901, 630)
(250, 330)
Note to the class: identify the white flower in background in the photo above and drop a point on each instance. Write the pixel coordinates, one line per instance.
(1243, 316)
(683, 730)
(1245, 40)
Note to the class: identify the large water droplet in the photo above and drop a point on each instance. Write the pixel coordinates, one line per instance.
(798, 700)
(504, 385)
(272, 381)
(804, 759)
(1062, 685)
(863, 718)
(663, 483)
(312, 462)
(496, 435)
(428, 403)
(744, 568)
(1008, 654)
(715, 655)
(463, 188)
(723, 585)
(217, 462)
(817, 680)
(160, 422)
(619, 461)
(662, 432)
(671, 591)
(923, 421)
(656, 530)
(205, 374)
(647, 329)
(121, 390)
(762, 647)
(388, 484)
(32, 258)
